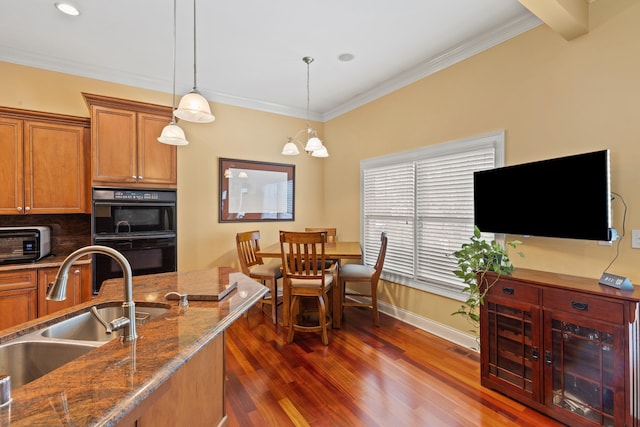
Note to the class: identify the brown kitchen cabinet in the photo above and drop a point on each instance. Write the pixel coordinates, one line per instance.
(23, 292)
(79, 278)
(44, 163)
(18, 297)
(193, 396)
(124, 147)
(563, 345)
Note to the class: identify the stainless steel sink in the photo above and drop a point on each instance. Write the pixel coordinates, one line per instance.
(26, 361)
(37, 353)
(85, 327)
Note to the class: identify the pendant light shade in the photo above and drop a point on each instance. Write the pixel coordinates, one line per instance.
(193, 106)
(172, 134)
(314, 146)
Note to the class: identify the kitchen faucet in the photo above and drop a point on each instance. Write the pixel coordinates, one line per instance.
(58, 289)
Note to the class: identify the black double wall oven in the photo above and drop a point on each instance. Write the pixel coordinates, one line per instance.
(141, 224)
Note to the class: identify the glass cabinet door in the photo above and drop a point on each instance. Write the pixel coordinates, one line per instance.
(512, 347)
(581, 362)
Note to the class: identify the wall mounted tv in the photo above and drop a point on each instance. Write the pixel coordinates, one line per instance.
(566, 197)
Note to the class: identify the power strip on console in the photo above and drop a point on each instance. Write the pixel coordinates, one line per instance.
(617, 282)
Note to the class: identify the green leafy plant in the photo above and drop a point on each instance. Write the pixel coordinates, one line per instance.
(475, 259)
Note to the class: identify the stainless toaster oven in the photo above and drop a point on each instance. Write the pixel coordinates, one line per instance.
(23, 244)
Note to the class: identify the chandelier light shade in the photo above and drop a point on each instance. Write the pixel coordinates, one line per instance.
(322, 152)
(193, 106)
(314, 145)
(173, 134)
(290, 148)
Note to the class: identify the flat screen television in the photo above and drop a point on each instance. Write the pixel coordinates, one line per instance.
(566, 197)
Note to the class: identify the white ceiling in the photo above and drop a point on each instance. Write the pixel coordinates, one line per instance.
(249, 52)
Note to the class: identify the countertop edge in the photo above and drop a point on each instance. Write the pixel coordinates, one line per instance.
(155, 382)
(98, 396)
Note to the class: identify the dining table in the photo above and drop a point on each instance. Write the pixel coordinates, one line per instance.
(339, 250)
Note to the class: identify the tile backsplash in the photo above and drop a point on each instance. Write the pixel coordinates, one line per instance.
(68, 231)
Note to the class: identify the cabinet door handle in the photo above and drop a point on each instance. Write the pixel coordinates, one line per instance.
(547, 357)
(140, 177)
(582, 306)
(535, 354)
(19, 208)
(508, 291)
(27, 209)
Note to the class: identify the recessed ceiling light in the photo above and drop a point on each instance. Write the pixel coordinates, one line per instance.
(68, 9)
(346, 57)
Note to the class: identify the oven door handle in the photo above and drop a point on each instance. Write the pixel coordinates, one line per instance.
(123, 237)
(137, 245)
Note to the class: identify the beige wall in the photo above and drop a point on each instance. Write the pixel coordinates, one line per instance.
(552, 97)
(236, 133)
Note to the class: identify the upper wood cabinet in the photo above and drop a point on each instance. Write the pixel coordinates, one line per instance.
(124, 146)
(44, 163)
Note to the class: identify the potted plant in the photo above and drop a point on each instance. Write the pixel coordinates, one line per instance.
(475, 259)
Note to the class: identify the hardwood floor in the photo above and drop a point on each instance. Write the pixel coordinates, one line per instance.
(395, 375)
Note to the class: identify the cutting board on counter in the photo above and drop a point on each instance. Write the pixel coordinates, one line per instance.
(206, 285)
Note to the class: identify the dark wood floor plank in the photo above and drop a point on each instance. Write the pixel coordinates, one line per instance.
(395, 375)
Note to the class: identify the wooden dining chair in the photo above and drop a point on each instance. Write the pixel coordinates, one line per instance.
(304, 272)
(331, 238)
(331, 232)
(361, 274)
(247, 244)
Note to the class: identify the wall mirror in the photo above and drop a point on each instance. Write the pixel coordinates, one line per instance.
(256, 191)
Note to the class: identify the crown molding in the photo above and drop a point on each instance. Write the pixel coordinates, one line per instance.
(452, 56)
(432, 65)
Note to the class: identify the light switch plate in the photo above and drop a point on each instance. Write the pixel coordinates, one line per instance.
(635, 239)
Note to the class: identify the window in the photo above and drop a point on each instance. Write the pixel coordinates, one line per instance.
(423, 199)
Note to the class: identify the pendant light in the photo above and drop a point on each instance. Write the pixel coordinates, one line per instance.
(313, 146)
(173, 134)
(193, 106)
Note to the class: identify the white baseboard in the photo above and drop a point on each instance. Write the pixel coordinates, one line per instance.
(443, 331)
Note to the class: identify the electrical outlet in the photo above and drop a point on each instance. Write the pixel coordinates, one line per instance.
(635, 239)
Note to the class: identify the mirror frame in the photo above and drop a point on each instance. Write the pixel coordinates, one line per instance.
(254, 179)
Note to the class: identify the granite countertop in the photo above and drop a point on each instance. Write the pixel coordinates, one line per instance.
(102, 386)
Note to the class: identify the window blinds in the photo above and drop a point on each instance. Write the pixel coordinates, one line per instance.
(424, 200)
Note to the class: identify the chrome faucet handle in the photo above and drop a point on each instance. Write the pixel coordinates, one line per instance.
(114, 325)
(107, 326)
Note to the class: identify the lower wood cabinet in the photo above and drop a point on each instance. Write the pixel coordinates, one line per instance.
(18, 297)
(563, 345)
(193, 396)
(23, 293)
(79, 277)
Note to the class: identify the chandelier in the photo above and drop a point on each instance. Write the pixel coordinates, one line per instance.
(313, 145)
